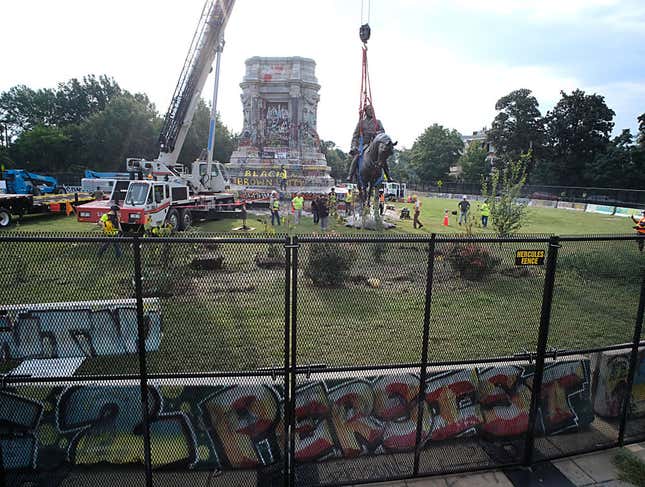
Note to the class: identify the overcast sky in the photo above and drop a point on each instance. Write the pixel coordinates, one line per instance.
(430, 60)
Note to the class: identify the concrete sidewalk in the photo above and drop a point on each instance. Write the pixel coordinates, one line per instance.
(593, 469)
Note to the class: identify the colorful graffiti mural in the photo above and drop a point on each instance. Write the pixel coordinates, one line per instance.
(610, 383)
(33, 333)
(237, 425)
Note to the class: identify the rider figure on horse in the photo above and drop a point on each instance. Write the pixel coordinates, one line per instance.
(369, 127)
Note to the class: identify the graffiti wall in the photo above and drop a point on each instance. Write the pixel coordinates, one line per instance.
(237, 425)
(610, 383)
(87, 330)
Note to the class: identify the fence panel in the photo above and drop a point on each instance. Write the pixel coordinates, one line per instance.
(215, 316)
(634, 428)
(71, 403)
(361, 303)
(483, 306)
(222, 303)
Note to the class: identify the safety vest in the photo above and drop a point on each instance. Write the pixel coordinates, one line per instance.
(283, 174)
(485, 210)
(297, 202)
(348, 197)
(108, 226)
(640, 226)
(276, 204)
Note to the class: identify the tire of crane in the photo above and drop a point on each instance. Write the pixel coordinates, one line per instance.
(186, 219)
(173, 219)
(5, 218)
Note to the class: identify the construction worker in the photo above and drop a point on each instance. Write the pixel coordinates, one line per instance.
(109, 222)
(349, 201)
(283, 178)
(297, 203)
(417, 212)
(274, 205)
(381, 201)
(323, 212)
(331, 202)
(464, 207)
(485, 212)
(640, 229)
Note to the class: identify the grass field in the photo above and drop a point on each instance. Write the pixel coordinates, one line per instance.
(233, 318)
(539, 220)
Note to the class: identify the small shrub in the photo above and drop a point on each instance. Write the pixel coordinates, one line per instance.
(329, 265)
(473, 262)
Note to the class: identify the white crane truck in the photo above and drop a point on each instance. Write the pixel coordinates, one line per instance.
(162, 191)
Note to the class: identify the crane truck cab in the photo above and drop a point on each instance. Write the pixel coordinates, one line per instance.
(155, 203)
(207, 177)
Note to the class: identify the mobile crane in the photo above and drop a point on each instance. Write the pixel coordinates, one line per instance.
(161, 191)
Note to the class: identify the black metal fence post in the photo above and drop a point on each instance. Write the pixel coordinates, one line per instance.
(543, 336)
(287, 346)
(294, 325)
(424, 352)
(638, 329)
(141, 348)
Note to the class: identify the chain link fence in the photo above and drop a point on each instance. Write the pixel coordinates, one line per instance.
(313, 360)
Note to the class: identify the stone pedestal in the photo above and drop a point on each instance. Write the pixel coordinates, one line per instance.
(279, 101)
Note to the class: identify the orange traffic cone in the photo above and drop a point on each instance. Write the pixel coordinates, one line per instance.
(445, 218)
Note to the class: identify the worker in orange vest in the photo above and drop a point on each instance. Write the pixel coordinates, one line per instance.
(640, 229)
(381, 201)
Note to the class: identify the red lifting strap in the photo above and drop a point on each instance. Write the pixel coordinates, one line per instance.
(366, 92)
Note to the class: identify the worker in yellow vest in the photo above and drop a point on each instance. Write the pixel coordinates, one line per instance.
(283, 178)
(485, 213)
(297, 203)
(349, 202)
(640, 229)
(275, 208)
(109, 222)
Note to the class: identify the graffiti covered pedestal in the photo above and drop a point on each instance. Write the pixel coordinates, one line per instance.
(280, 102)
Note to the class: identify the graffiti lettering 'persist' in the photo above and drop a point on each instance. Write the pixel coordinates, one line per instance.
(236, 425)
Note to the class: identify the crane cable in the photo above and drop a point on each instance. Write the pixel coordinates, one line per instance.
(366, 88)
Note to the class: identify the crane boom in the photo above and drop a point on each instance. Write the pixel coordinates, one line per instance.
(203, 47)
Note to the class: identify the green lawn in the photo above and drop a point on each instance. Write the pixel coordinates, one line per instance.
(233, 318)
(539, 220)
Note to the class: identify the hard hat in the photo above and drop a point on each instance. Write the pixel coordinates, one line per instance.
(465, 198)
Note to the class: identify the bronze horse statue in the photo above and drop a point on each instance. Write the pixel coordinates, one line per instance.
(373, 164)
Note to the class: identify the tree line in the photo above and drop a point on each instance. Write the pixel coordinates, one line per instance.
(571, 145)
(91, 123)
(94, 123)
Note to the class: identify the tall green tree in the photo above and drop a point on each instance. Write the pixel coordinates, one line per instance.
(641, 130)
(621, 165)
(197, 137)
(401, 168)
(41, 149)
(434, 152)
(337, 160)
(474, 163)
(128, 127)
(517, 128)
(69, 103)
(578, 130)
